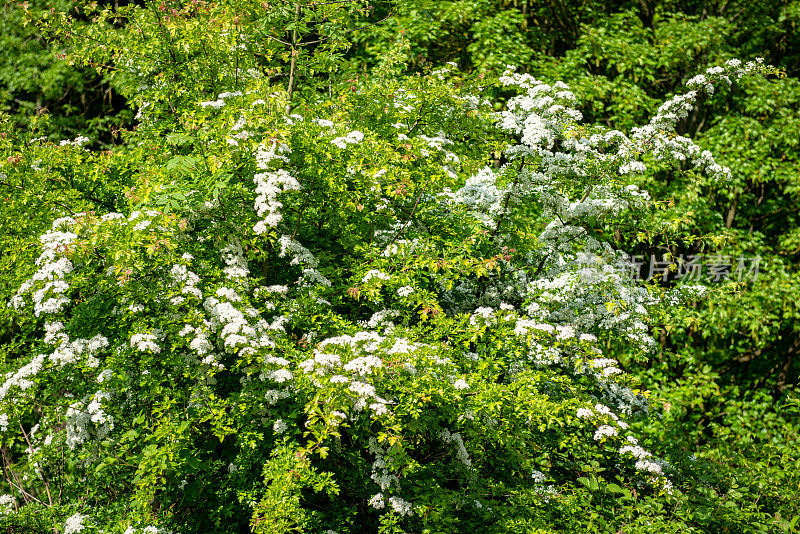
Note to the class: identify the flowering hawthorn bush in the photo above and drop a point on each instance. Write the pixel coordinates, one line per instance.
(387, 308)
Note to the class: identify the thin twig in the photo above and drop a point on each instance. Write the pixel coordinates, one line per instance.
(300, 216)
(18, 485)
(294, 58)
(284, 43)
(30, 447)
(11, 185)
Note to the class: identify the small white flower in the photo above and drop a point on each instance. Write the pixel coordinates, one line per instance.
(377, 501)
(605, 431)
(460, 384)
(74, 524)
(279, 427)
(144, 342)
(104, 375)
(379, 408)
(281, 375)
(405, 291)
(354, 137)
(374, 273)
(400, 506)
(651, 467)
(7, 503)
(216, 104)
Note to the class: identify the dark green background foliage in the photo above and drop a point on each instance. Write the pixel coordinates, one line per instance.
(35, 82)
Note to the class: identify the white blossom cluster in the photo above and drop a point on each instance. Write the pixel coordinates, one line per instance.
(21, 378)
(233, 327)
(187, 280)
(7, 504)
(78, 141)
(348, 362)
(659, 133)
(387, 479)
(590, 291)
(438, 143)
(67, 352)
(481, 194)
(270, 184)
(302, 256)
(563, 292)
(88, 419)
(644, 460)
(577, 286)
(375, 273)
(220, 101)
(351, 138)
(404, 291)
(458, 442)
(235, 263)
(145, 342)
(50, 280)
(383, 319)
(546, 127)
(74, 523)
(482, 315)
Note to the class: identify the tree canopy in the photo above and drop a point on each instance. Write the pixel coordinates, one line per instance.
(413, 266)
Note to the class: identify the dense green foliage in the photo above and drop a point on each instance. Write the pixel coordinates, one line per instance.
(36, 83)
(316, 283)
